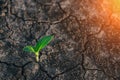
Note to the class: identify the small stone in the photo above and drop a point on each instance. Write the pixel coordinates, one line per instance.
(43, 57)
(1, 43)
(1, 31)
(36, 67)
(3, 14)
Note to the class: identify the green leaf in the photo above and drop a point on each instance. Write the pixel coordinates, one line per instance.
(43, 42)
(29, 49)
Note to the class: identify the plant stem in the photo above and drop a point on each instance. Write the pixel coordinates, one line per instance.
(37, 56)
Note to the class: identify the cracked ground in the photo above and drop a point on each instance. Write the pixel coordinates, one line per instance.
(85, 45)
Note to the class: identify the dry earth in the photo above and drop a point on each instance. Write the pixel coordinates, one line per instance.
(85, 46)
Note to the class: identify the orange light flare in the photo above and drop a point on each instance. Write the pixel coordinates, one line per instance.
(112, 8)
(115, 6)
(112, 5)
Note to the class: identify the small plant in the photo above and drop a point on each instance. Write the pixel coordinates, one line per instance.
(42, 43)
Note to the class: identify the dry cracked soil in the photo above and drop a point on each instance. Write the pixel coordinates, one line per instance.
(85, 45)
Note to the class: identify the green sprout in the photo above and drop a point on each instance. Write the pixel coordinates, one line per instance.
(42, 43)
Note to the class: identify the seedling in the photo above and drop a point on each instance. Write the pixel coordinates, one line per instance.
(42, 43)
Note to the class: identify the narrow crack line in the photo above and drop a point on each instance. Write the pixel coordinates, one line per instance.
(4, 63)
(42, 21)
(7, 24)
(85, 47)
(86, 69)
(15, 64)
(83, 67)
(23, 66)
(78, 22)
(23, 69)
(59, 5)
(62, 19)
(83, 50)
(93, 69)
(67, 70)
(107, 74)
(82, 62)
(56, 22)
(10, 9)
(45, 71)
(27, 63)
(11, 13)
(18, 66)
